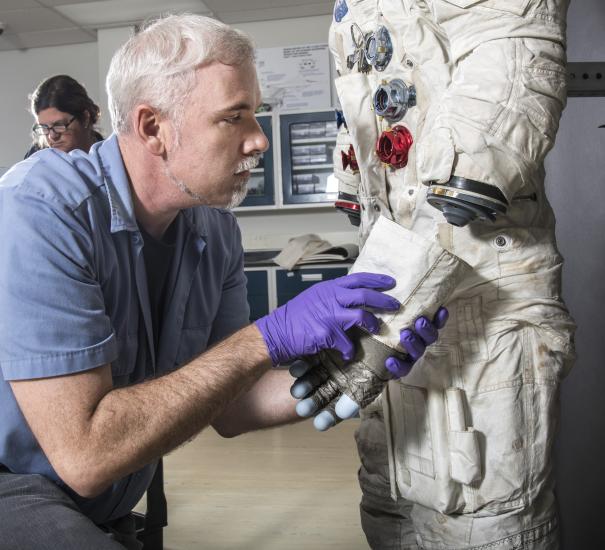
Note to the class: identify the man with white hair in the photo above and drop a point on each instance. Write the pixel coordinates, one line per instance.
(119, 268)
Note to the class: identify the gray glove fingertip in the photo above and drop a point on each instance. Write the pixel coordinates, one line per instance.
(298, 368)
(324, 421)
(306, 407)
(300, 389)
(346, 407)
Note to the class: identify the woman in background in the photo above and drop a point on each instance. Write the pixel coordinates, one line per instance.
(65, 116)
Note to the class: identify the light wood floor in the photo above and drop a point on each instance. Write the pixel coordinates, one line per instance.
(287, 488)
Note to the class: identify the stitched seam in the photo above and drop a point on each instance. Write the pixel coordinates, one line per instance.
(425, 277)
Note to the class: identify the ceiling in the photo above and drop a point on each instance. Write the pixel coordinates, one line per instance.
(38, 23)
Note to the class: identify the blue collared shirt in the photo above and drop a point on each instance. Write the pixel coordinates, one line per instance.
(73, 293)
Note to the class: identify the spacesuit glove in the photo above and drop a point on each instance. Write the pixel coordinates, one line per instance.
(324, 382)
(319, 317)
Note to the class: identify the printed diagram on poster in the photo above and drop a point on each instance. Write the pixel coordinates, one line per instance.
(295, 77)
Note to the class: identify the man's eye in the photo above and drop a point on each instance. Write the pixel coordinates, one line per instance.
(232, 119)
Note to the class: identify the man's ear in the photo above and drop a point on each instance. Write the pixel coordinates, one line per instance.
(152, 130)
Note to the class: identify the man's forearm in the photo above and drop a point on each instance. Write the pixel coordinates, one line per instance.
(135, 425)
(268, 403)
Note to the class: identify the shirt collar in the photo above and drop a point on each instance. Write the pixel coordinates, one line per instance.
(120, 196)
(117, 184)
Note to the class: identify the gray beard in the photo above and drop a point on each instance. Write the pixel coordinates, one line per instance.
(236, 198)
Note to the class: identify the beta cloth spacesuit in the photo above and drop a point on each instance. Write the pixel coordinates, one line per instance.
(470, 92)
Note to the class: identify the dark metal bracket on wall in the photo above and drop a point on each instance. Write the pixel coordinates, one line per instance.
(586, 79)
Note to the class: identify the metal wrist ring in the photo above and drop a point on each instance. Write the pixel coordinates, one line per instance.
(393, 146)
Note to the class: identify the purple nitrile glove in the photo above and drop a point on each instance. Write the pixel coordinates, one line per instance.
(317, 318)
(415, 343)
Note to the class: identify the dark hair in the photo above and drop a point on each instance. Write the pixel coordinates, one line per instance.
(64, 94)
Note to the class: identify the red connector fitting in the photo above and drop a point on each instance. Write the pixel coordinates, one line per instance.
(349, 159)
(394, 145)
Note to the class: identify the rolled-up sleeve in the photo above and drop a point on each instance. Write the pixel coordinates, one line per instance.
(234, 311)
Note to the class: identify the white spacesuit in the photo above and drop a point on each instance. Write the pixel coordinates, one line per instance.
(457, 454)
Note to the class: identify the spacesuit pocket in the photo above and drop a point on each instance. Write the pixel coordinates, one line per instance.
(501, 419)
(414, 440)
(465, 457)
(516, 7)
(433, 452)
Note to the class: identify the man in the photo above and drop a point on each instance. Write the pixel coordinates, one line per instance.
(115, 277)
(454, 104)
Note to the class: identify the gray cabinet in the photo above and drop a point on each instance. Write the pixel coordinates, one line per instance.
(272, 286)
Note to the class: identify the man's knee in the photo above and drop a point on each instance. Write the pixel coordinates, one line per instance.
(36, 513)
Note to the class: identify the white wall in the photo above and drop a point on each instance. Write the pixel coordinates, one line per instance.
(108, 41)
(21, 71)
(288, 32)
(88, 63)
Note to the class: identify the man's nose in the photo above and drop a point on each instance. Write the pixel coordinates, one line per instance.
(257, 142)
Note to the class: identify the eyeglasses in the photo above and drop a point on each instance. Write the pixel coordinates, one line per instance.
(58, 129)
